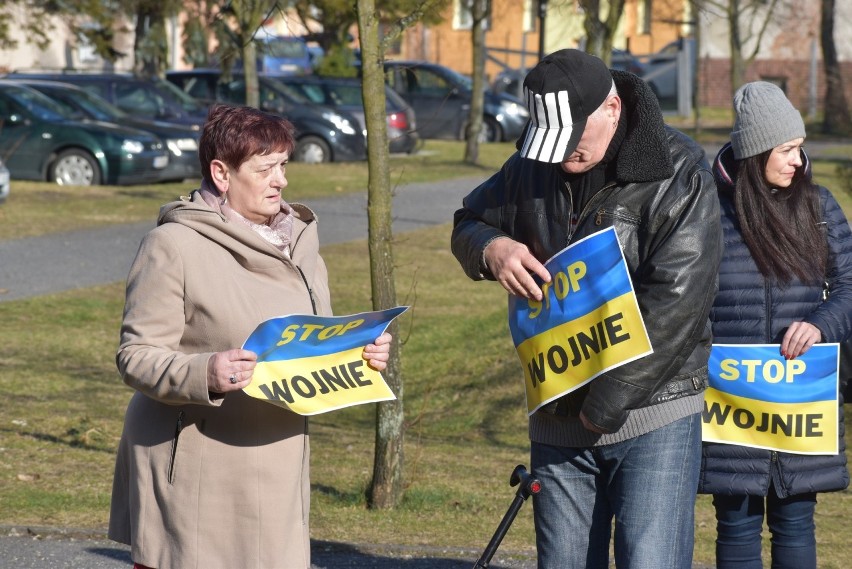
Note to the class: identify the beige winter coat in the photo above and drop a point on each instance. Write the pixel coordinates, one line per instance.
(206, 481)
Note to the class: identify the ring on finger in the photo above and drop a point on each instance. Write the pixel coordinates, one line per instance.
(233, 378)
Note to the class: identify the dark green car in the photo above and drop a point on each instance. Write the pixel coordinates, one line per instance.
(39, 141)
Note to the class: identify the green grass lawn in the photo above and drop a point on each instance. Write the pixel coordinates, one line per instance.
(35, 208)
(63, 402)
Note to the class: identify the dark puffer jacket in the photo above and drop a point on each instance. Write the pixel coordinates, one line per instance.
(750, 309)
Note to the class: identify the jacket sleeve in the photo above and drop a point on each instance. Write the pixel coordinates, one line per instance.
(675, 286)
(153, 325)
(478, 223)
(834, 316)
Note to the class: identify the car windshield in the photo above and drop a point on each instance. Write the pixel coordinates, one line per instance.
(170, 90)
(315, 92)
(91, 104)
(288, 91)
(284, 48)
(346, 93)
(40, 105)
(459, 79)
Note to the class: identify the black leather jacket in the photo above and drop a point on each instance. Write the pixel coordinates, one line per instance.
(665, 210)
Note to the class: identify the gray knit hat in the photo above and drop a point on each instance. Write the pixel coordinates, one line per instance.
(765, 118)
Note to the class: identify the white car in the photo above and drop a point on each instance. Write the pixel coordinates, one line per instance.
(4, 182)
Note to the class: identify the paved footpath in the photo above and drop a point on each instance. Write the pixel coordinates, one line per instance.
(22, 548)
(61, 261)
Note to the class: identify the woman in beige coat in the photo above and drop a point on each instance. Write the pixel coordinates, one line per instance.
(206, 476)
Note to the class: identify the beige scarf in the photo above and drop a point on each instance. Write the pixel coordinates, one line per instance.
(278, 230)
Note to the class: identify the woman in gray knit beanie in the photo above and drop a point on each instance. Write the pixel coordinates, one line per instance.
(785, 237)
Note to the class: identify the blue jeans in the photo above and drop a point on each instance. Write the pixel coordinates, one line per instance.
(648, 484)
(739, 523)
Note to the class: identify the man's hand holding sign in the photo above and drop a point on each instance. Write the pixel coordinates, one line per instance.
(584, 322)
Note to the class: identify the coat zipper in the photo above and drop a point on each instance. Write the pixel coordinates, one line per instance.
(767, 292)
(178, 429)
(302, 274)
(307, 286)
(598, 215)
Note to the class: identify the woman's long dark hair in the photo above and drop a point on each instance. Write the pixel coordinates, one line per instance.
(781, 227)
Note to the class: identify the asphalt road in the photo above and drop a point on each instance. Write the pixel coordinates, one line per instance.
(62, 261)
(36, 549)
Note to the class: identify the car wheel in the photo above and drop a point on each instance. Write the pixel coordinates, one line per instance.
(312, 149)
(75, 167)
(491, 131)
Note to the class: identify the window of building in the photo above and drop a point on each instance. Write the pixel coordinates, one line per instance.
(644, 10)
(530, 15)
(463, 15)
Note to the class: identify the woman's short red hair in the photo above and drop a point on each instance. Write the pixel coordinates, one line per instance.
(233, 134)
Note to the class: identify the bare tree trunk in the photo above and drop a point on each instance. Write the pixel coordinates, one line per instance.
(836, 119)
(601, 33)
(697, 82)
(745, 14)
(736, 44)
(480, 11)
(386, 487)
(250, 73)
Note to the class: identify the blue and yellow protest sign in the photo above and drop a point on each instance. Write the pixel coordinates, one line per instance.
(314, 364)
(587, 322)
(757, 398)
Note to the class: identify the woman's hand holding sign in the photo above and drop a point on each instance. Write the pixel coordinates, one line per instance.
(798, 339)
(231, 370)
(378, 352)
(511, 263)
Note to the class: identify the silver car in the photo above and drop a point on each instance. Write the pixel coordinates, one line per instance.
(4, 182)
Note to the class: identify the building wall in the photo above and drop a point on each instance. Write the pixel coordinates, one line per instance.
(790, 55)
(511, 29)
(64, 52)
(563, 25)
(646, 33)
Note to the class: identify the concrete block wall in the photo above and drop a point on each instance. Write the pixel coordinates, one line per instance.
(795, 76)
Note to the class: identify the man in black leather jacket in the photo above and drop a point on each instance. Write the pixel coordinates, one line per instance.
(597, 154)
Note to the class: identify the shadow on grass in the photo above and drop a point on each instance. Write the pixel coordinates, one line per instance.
(75, 440)
(333, 555)
(348, 498)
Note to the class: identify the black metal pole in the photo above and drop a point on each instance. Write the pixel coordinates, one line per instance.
(528, 486)
(542, 14)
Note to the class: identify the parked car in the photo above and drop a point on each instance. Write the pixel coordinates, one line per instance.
(5, 183)
(181, 140)
(283, 55)
(344, 93)
(323, 134)
(40, 141)
(512, 80)
(152, 98)
(661, 68)
(441, 97)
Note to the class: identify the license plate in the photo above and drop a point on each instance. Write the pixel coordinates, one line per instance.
(161, 162)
